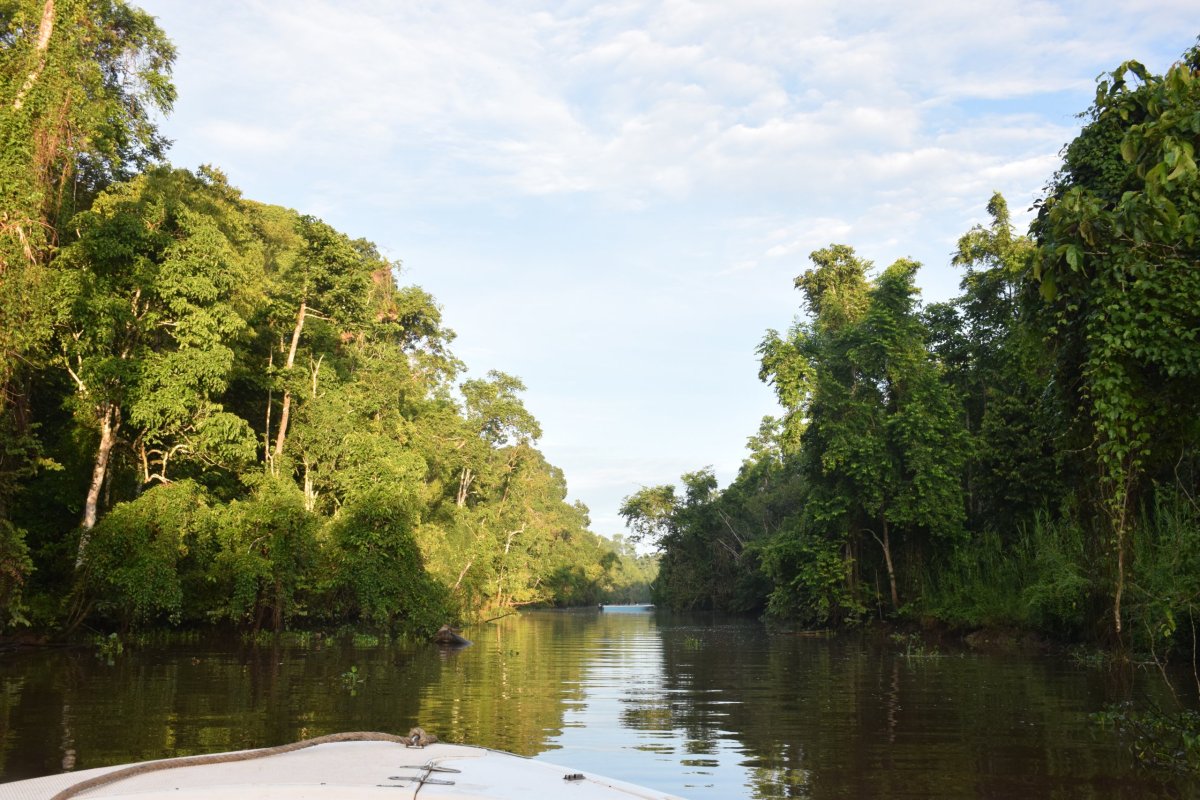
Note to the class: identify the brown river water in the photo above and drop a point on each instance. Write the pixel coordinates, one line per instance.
(701, 707)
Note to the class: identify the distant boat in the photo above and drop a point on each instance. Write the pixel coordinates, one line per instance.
(337, 766)
(627, 608)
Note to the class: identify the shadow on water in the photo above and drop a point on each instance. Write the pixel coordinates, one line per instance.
(699, 706)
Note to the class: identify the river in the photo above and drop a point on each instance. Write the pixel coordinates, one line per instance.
(696, 706)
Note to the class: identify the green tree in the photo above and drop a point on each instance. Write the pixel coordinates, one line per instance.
(131, 573)
(494, 415)
(882, 444)
(266, 556)
(376, 573)
(367, 393)
(151, 286)
(649, 513)
(988, 343)
(328, 281)
(709, 540)
(80, 81)
(1116, 263)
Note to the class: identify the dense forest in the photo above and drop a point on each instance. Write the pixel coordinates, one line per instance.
(216, 411)
(1024, 455)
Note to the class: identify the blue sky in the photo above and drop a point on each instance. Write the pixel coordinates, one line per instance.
(610, 199)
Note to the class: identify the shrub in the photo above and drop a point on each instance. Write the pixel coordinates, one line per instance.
(378, 575)
(130, 565)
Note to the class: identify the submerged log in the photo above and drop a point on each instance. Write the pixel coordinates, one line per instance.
(450, 637)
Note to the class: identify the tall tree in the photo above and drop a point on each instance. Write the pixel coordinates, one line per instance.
(328, 281)
(989, 344)
(80, 81)
(1117, 264)
(495, 415)
(151, 285)
(881, 445)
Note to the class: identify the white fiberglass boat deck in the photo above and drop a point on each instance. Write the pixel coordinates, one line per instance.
(345, 769)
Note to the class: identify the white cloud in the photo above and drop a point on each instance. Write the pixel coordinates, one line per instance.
(640, 104)
(617, 194)
(237, 136)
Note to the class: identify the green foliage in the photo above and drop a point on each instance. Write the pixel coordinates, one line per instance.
(812, 580)
(586, 569)
(648, 512)
(129, 572)
(988, 345)
(1037, 580)
(881, 445)
(78, 91)
(265, 556)
(331, 269)
(377, 574)
(1116, 263)
(710, 540)
(1157, 739)
(913, 646)
(1059, 583)
(496, 412)
(1163, 603)
(980, 585)
(15, 566)
(153, 285)
(108, 648)
(352, 680)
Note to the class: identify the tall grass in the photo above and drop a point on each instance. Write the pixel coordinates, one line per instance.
(1048, 578)
(1163, 609)
(1036, 581)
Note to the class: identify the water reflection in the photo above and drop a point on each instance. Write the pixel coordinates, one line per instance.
(700, 707)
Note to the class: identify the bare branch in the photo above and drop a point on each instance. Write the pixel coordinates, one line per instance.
(75, 377)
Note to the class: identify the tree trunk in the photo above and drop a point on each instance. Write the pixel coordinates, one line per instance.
(281, 438)
(284, 413)
(310, 495)
(462, 574)
(850, 557)
(267, 430)
(1118, 510)
(1120, 584)
(1120, 525)
(886, 544)
(45, 30)
(110, 423)
(503, 565)
(259, 608)
(464, 483)
(277, 616)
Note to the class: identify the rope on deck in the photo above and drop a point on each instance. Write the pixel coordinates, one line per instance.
(228, 758)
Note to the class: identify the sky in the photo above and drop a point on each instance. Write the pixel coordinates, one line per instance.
(611, 200)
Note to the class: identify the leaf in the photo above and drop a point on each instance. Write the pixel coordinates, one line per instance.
(1129, 148)
(1048, 290)
(1074, 257)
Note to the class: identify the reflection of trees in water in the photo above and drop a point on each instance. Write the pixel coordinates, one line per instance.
(507, 691)
(800, 717)
(847, 718)
(510, 689)
(160, 701)
(10, 696)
